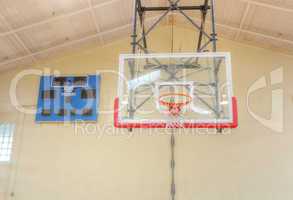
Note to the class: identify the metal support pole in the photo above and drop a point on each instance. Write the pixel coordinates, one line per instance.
(202, 26)
(132, 63)
(216, 66)
(214, 34)
(134, 27)
(214, 45)
(141, 20)
(172, 144)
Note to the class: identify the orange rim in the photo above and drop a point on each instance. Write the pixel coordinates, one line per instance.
(174, 104)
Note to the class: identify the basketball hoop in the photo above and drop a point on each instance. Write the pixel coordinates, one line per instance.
(179, 91)
(169, 100)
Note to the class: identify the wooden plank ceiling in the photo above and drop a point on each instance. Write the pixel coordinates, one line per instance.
(31, 30)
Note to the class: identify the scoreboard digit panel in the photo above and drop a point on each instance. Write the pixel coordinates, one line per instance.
(68, 98)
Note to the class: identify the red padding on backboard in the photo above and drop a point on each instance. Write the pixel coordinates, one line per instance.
(119, 124)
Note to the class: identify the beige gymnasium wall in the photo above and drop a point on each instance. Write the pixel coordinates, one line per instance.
(53, 162)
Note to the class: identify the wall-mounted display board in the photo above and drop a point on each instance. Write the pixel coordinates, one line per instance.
(68, 98)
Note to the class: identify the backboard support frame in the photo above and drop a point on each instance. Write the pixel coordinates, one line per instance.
(139, 40)
(174, 6)
(206, 42)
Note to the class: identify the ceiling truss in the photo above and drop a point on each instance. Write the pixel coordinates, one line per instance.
(101, 33)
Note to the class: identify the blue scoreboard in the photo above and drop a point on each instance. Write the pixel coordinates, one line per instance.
(68, 98)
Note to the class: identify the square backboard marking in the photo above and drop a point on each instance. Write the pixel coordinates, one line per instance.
(187, 86)
(177, 57)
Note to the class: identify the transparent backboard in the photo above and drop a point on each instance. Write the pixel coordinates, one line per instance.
(205, 78)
